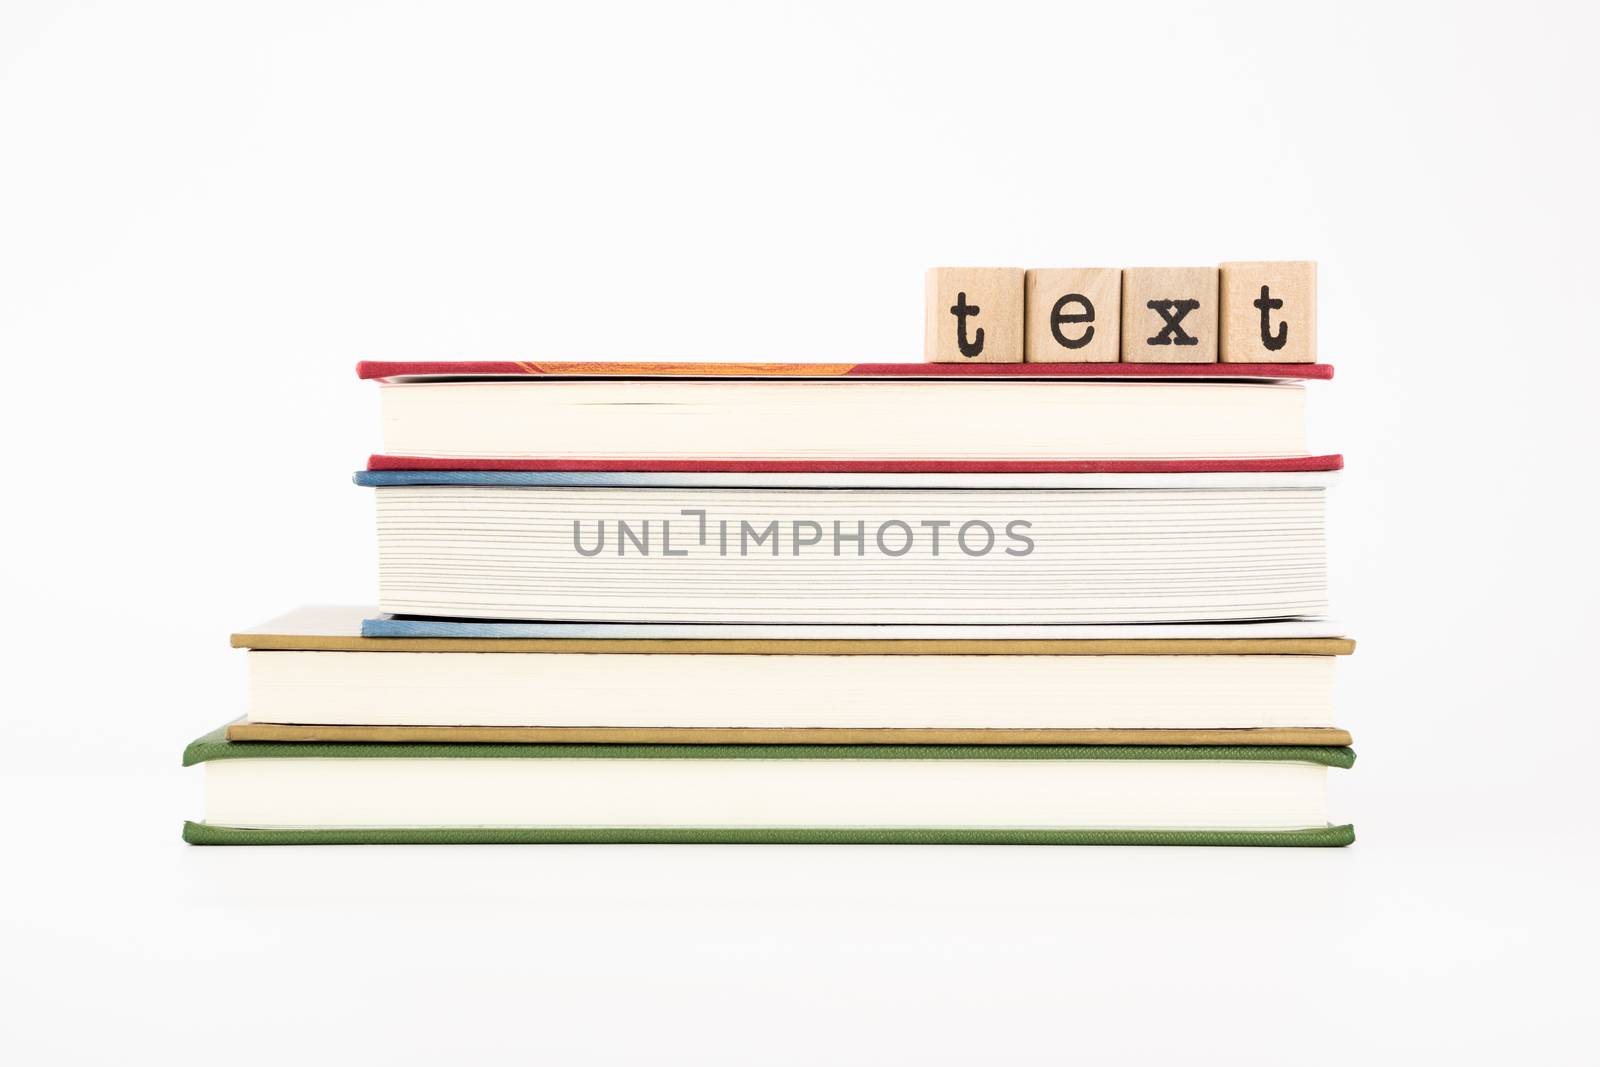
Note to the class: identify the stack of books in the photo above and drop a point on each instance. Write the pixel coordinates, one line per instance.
(1001, 603)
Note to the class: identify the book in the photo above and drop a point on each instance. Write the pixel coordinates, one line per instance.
(842, 412)
(307, 792)
(312, 677)
(1132, 548)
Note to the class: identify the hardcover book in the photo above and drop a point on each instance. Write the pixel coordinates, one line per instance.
(842, 412)
(311, 793)
(313, 677)
(1133, 548)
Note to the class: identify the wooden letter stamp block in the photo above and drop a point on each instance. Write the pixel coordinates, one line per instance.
(1269, 312)
(1073, 315)
(973, 315)
(1169, 315)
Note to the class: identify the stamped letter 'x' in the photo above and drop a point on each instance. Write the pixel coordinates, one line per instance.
(1172, 313)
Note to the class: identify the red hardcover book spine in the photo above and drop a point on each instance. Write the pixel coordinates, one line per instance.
(1298, 464)
(385, 370)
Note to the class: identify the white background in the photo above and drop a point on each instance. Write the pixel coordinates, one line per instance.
(210, 211)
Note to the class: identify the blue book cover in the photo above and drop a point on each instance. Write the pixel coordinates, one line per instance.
(389, 625)
(737, 479)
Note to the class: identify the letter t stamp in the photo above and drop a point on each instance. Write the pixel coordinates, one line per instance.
(973, 315)
(1269, 312)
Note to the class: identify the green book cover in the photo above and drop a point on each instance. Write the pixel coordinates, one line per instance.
(214, 747)
(199, 833)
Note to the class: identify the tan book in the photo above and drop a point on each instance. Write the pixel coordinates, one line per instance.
(312, 677)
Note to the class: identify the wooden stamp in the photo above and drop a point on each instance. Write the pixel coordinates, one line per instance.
(1169, 315)
(973, 315)
(1073, 315)
(1269, 312)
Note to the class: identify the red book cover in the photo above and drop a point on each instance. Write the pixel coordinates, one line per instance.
(1298, 464)
(381, 370)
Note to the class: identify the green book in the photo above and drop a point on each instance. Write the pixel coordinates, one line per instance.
(270, 793)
